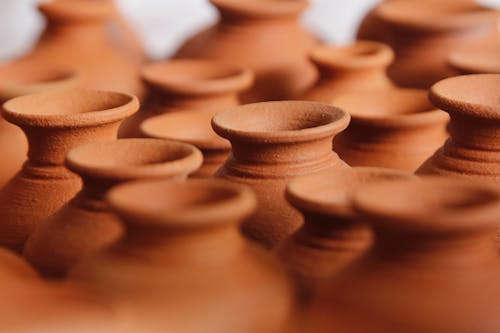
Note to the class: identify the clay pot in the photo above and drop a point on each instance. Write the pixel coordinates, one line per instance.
(264, 36)
(54, 123)
(86, 225)
(357, 67)
(16, 82)
(192, 127)
(424, 33)
(473, 149)
(433, 267)
(482, 60)
(272, 143)
(182, 252)
(397, 129)
(188, 85)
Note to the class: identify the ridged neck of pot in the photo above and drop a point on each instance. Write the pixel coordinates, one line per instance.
(475, 133)
(247, 12)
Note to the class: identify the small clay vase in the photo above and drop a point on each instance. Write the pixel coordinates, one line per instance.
(85, 224)
(273, 142)
(182, 251)
(397, 129)
(332, 235)
(192, 127)
(188, 85)
(356, 67)
(424, 33)
(16, 82)
(54, 123)
(473, 149)
(434, 266)
(264, 36)
(480, 60)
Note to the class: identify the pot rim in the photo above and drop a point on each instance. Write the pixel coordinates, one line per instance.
(77, 10)
(267, 8)
(466, 61)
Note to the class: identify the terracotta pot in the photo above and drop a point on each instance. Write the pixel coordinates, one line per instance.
(192, 127)
(264, 36)
(188, 85)
(85, 224)
(481, 60)
(183, 251)
(397, 129)
(272, 143)
(16, 82)
(54, 123)
(356, 67)
(473, 149)
(424, 33)
(332, 235)
(433, 268)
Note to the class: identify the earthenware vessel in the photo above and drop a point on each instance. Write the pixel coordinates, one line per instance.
(192, 127)
(433, 267)
(273, 142)
(85, 224)
(54, 123)
(16, 82)
(186, 85)
(356, 67)
(473, 149)
(264, 36)
(332, 235)
(397, 129)
(480, 60)
(182, 251)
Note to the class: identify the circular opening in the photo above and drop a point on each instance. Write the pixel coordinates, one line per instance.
(361, 54)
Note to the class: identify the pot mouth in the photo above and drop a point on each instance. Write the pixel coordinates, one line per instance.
(77, 10)
(196, 77)
(190, 204)
(433, 205)
(130, 159)
(261, 8)
(474, 96)
(70, 108)
(482, 60)
(280, 122)
(330, 193)
(358, 55)
(192, 127)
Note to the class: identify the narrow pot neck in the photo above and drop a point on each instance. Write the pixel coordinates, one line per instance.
(89, 33)
(337, 75)
(475, 133)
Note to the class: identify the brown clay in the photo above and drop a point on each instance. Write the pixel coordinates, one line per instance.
(397, 129)
(434, 266)
(264, 36)
(473, 149)
(192, 127)
(85, 224)
(54, 123)
(272, 143)
(356, 67)
(182, 252)
(480, 60)
(371, 27)
(188, 85)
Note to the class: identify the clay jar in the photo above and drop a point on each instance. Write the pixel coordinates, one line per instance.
(54, 123)
(357, 67)
(85, 224)
(264, 36)
(481, 60)
(272, 143)
(473, 149)
(397, 129)
(433, 267)
(192, 127)
(188, 85)
(182, 251)
(16, 82)
(423, 33)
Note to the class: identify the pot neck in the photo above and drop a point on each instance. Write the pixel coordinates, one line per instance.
(474, 133)
(338, 75)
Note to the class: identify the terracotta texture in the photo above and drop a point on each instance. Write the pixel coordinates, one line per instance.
(192, 127)
(356, 67)
(188, 85)
(473, 149)
(481, 60)
(433, 267)
(16, 82)
(397, 129)
(272, 143)
(54, 123)
(264, 36)
(86, 225)
(183, 264)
